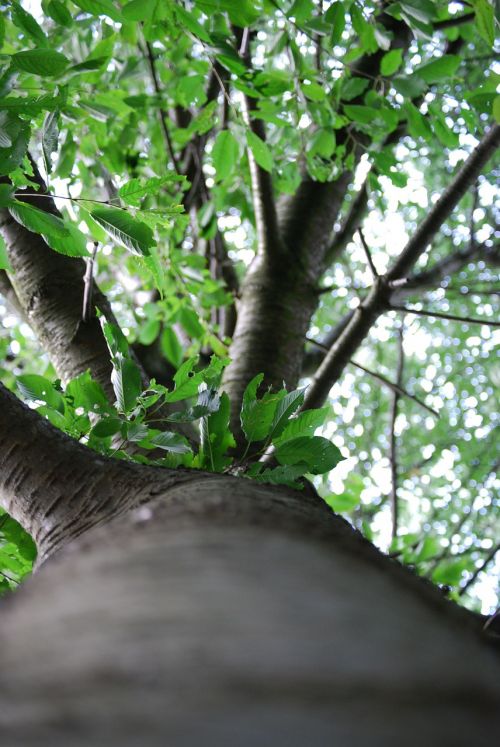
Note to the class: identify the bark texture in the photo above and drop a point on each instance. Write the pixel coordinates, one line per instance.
(233, 614)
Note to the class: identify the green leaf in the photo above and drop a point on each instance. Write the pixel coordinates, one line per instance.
(391, 62)
(217, 438)
(285, 408)
(99, 8)
(84, 392)
(38, 221)
(304, 424)
(50, 136)
(225, 154)
(43, 62)
(72, 245)
(323, 144)
(186, 381)
(106, 427)
(173, 442)
(14, 134)
(4, 257)
(116, 340)
(284, 475)
(319, 454)
(126, 381)
(335, 15)
(23, 20)
(35, 387)
(485, 20)
(171, 347)
(139, 10)
(257, 415)
(342, 503)
(260, 150)
(418, 126)
(125, 230)
(6, 192)
(135, 190)
(59, 13)
(441, 69)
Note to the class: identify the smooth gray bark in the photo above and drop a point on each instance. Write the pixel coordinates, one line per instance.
(233, 614)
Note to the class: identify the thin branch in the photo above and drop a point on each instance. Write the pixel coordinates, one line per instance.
(161, 111)
(352, 221)
(431, 224)
(440, 315)
(449, 23)
(387, 382)
(264, 205)
(366, 248)
(472, 580)
(393, 458)
(376, 302)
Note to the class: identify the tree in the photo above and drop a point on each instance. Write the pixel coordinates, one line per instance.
(225, 165)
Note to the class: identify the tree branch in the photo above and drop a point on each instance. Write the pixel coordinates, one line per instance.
(376, 302)
(472, 580)
(431, 224)
(393, 438)
(451, 317)
(449, 23)
(351, 223)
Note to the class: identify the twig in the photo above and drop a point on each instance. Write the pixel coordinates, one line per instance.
(353, 219)
(393, 439)
(161, 111)
(366, 248)
(394, 387)
(449, 23)
(472, 580)
(266, 218)
(440, 315)
(432, 223)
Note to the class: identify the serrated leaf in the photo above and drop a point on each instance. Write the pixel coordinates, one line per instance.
(283, 475)
(23, 20)
(127, 383)
(135, 190)
(319, 454)
(84, 392)
(186, 381)
(257, 414)
(125, 230)
(72, 245)
(217, 438)
(43, 62)
(106, 427)
(260, 150)
(285, 408)
(173, 442)
(225, 154)
(35, 387)
(38, 221)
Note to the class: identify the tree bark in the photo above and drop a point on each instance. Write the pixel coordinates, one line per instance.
(210, 610)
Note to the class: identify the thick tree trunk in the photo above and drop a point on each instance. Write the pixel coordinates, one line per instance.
(227, 613)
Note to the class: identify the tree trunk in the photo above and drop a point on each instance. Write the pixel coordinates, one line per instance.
(231, 613)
